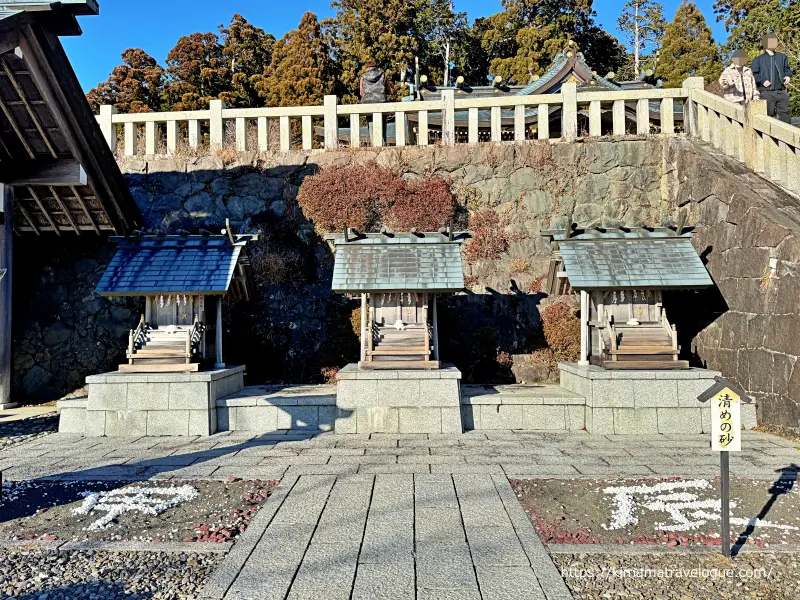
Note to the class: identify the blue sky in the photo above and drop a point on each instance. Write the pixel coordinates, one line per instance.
(155, 25)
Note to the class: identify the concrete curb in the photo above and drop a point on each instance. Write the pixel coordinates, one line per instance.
(225, 574)
(633, 549)
(171, 547)
(547, 573)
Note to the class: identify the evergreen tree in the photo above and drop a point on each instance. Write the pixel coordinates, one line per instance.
(522, 40)
(688, 50)
(381, 31)
(137, 85)
(246, 51)
(437, 29)
(197, 72)
(471, 60)
(642, 21)
(302, 70)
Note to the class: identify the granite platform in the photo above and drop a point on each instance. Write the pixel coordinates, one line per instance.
(154, 404)
(645, 401)
(398, 400)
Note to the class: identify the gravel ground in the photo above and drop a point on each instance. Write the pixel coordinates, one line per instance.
(220, 512)
(681, 576)
(104, 575)
(25, 430)
(580, 512)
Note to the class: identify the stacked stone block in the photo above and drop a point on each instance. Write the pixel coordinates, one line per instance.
(521, 407)
(138, 404)
(398, 401)
(271, 408)
(641, 402)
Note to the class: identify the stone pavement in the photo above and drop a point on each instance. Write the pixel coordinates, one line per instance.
(287, 454)
(382, 537)
(379, 516)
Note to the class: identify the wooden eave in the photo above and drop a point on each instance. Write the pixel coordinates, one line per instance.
(52, 152)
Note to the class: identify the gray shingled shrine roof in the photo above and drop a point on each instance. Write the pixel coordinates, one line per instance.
(400, 262)
(631, 259)
(172, 265)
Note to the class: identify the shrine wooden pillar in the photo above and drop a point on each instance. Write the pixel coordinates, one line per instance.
(363, 338)
(219, 364)
(6, 242)
(583, 358)
(435, 330)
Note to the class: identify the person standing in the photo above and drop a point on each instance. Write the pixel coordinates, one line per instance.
(772, 74)
(737, 81)
(372, 86)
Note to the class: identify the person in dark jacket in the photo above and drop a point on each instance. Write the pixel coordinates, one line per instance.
(373, 91)
(772, 74)
(373, 85)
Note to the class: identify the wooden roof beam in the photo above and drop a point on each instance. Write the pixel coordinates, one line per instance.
(31, 113)
(60, 172)
(9, 42)
(42, 208)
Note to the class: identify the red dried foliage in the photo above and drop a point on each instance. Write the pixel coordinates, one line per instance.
(349, 197)
(329, 373)
(536, 284)
(231, 525)
(427, 205)
(562, 331)
(489, 238)
(366, 196)
(504, 359)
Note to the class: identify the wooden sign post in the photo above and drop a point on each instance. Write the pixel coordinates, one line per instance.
(726, 436)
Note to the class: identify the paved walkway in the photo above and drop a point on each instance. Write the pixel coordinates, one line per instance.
(390, 516)
(390, 537)
(277, 456)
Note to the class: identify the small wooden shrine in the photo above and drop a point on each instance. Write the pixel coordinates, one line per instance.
(177, 275)
(398, 277)
(620, 275)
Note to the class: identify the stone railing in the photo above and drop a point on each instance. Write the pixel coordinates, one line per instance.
(333, 124)
(766, 145)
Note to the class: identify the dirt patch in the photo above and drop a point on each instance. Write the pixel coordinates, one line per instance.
(204, 511)
(671, 512)
(681, 576)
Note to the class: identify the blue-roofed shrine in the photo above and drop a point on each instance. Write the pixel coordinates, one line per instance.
(176, 275)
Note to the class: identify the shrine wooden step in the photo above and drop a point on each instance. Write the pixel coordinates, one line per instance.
(625, 349)
(160, 368)
(159, 352)
(399, 364)
(645, 364)
(400, 350)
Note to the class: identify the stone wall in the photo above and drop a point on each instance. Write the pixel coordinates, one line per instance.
(749, 327)
(62, 330)
(295, 327)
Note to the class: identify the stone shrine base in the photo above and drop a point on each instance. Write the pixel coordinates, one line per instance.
(644, 402)
(398, 401)
(155, 404)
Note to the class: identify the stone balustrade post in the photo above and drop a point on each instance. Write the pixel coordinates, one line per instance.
(448, 117)
(216, 124)
(569, 112)
(107, 126)
(690, 107)
(753, 150)
(331, 122)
